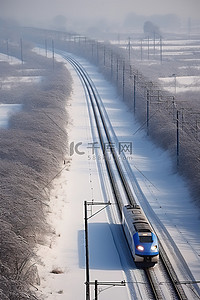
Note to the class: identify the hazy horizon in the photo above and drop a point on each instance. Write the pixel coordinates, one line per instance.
(88, 13)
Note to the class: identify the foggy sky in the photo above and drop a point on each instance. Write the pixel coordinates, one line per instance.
(113, 10)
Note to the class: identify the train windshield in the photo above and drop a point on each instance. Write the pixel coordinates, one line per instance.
(145, 239)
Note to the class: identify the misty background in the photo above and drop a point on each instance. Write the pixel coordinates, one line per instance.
(102, 16)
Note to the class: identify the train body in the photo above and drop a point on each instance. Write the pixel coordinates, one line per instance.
(142, 240)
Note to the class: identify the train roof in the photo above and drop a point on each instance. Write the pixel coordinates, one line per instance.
(137, 218)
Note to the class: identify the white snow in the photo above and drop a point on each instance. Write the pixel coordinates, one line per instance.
(14, 81)
(10, 59)
(176, 54)
(6, 110)
(66, 251)
(181, 83)
(8, 82)
(166, 192)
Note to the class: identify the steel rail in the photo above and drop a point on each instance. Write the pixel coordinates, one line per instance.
(98, 115)
(154, 285)
(91, 94)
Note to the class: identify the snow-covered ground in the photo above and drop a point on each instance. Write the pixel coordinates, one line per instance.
(179, 57)
(6, 110)
(14, 81)
(8, 82)
(181, 84)
(65, 251)
(167, 193)
(79, 181)
(11, 59)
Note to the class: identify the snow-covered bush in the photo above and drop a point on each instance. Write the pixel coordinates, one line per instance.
(32, 151)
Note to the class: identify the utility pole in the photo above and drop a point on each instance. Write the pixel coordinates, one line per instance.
(96, 290)
(173, 107)
(161, 49)
(117, 69)
(177, 137)
(87, 254)
(111, 64)
(53, 54)
(141, 50)
(21, 47)
(46, 47)
(148, 47)
(174, 75)
(129, 48)
(154, 44)
(123, 80)
(134, 93)
(86, 240)
(147, 117)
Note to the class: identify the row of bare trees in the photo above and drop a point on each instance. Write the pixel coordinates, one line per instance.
(172, 124)
(32, 151)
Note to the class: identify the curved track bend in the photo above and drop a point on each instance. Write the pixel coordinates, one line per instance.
(106, 137)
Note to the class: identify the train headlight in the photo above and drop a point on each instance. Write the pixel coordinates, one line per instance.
(154, 248)
(140, 248)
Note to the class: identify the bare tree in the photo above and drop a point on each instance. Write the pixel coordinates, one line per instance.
(32, 151)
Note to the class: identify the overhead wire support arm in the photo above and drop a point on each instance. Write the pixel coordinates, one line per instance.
(98, 203)
(109, 284)
(112, 283)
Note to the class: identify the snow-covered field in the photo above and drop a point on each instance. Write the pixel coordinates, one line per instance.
(14, 81)
(6, 110)
(11, 59)
(182, 84)
(180, 62)
(166, 192)
(64, 251)
(8, 82)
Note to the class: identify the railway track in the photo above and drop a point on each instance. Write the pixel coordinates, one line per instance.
(106, 138)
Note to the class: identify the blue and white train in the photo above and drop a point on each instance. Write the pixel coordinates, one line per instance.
(142, 240)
